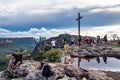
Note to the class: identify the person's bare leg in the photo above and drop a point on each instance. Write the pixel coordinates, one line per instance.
(9, 64)
(65, 51)
(18, 64)
(72, 60)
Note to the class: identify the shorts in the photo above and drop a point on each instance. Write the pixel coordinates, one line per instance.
(72, 43)
(53, 46)
(65, 46)
(16, 61)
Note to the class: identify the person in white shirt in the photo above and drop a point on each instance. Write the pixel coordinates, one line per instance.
(53, 43)
(72, 41)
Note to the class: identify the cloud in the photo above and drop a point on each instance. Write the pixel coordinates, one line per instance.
(109, 30)
(21, 15)
(114, 8)
(18, 7)
(35, 32)
(4, 31)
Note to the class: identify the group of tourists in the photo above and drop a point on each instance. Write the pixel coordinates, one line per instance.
(89, 40)
(102, 40)
(86, 40)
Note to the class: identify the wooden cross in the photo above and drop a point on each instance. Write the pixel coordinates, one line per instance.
(78, 19)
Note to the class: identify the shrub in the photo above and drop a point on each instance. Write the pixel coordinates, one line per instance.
(54, 55)
(40, 56)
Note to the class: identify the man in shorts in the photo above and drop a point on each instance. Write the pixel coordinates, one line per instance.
(16, 59)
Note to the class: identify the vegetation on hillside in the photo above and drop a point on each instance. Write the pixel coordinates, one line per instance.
(3, 62)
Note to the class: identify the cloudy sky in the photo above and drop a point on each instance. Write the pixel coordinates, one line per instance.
(30, 18)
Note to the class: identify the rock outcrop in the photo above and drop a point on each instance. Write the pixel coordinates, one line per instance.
(33, 71)
(94, 51)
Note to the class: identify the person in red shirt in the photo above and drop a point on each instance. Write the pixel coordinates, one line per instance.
(85, 38)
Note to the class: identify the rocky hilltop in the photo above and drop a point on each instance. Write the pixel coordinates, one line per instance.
(95, 51)
(32, 70)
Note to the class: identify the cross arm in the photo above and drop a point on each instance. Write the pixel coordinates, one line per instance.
(79, 18)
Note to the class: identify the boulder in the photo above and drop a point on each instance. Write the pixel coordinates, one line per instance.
(27, 67)
(76, 72)
(18, 78)
(59, 73)
(97, 75)
(37, 75)
(72, 78)
(23, 69)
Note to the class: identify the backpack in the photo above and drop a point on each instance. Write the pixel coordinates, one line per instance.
(47, 71)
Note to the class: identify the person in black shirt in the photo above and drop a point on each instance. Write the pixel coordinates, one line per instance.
(16, 59)
(105, 38)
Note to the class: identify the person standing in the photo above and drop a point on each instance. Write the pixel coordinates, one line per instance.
(105, 38)
(72, 41)
(53, 43)
(85, 38)
(79, 40)
(65, 47)
(89, 41)
(98, 39)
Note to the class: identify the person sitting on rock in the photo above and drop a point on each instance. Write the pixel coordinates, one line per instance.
(16, 59)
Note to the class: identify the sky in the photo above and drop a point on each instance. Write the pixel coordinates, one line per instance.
(33, 18)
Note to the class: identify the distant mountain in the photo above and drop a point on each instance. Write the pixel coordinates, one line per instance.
(7, 45)
(26, 40)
